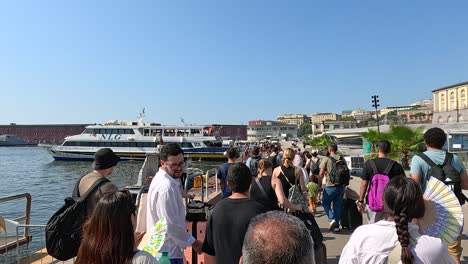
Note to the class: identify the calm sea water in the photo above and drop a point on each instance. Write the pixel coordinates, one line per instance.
(32, 170)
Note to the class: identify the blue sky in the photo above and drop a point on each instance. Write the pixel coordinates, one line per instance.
(222, 61)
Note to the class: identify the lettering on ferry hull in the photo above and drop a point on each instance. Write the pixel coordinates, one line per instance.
(110, 136)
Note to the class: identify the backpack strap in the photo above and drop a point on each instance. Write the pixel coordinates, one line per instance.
(259, 185)
(389, 167)
(76, 189)
(426, 159)
(374, 167)
(93, 188)
(448, 158)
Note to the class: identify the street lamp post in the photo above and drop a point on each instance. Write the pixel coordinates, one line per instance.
(375, 104)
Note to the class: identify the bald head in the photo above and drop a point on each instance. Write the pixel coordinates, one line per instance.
(277, 237)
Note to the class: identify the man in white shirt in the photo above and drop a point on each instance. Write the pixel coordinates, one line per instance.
(165, 200)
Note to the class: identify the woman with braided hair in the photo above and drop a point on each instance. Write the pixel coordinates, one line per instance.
(396, 240)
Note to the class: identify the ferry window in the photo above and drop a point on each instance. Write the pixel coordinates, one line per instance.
(107, 131)
(133, 144)
(115, 131)
(187, 145)
(140, 144)
(196, 144)
(146, 132)
(129, 131)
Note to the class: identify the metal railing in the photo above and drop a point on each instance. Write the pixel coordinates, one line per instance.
(8, 244)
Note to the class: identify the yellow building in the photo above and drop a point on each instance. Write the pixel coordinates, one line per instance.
(293, 119)
(319, 117)
(450, 103)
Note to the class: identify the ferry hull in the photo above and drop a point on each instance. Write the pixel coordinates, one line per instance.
(89, 156)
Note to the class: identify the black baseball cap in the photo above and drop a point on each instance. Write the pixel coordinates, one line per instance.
(104, 159)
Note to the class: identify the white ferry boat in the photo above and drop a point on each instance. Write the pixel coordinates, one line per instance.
(132, 140)
(12, 141)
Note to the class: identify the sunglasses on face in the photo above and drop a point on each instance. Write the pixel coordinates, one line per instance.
(175, 165)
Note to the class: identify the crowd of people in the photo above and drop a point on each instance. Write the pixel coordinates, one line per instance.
(254, 222)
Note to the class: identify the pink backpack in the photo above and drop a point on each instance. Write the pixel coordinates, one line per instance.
(377, 186)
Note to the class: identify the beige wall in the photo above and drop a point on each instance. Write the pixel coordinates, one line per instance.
(451, 99)
(293, 119)
(322, 117)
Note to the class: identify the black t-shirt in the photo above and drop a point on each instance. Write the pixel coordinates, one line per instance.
(227, 226)
(288, 179)
(223, 175)
(270, 203)
(381, 164)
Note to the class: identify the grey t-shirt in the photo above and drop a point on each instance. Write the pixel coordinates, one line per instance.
(143, 257)
(87, 181)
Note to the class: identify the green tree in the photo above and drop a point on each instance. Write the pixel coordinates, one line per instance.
(348, 118)
(321, 141)
(304, 129)
(391, 117)
(373, 137)
(420, 115)
(403, 139)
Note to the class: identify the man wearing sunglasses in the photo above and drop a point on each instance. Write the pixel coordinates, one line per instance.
(165, 200)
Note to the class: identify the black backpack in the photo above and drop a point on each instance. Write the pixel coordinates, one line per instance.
(254, 165)
(339, 174)
(315, 167)
(64, 228)
(445, 173)
(309, 220)
(275, 160)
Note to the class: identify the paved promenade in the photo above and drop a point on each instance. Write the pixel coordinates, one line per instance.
(336, 242)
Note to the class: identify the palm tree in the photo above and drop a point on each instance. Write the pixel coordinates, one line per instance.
(405, 140)
(321, 141)
(373, 137)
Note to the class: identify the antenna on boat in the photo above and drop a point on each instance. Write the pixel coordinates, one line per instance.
(141, 117)
(183, 121)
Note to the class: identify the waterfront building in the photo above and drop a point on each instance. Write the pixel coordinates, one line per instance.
(293, 119)
(333, 125)
(416, 115)
(259, 130)
(363, 115)
(450, 103)
(56, 133)
(235, 132)
(389, 109)
(50, 134)
(319, 117)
